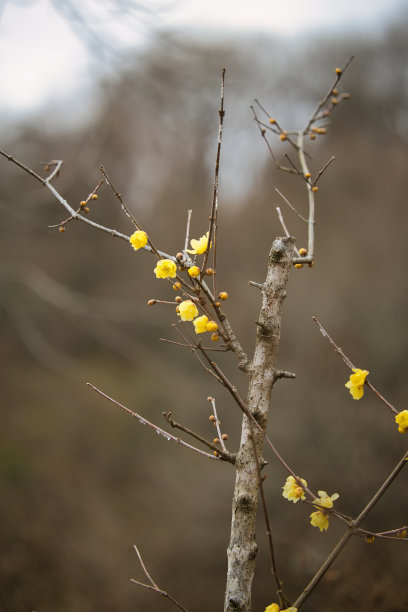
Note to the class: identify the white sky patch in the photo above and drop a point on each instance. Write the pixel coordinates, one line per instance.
(43, 61)
(39, 57)
(283, 16)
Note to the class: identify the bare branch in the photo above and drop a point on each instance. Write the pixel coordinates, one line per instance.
(154, 586)
(351, 366)
(157, 429)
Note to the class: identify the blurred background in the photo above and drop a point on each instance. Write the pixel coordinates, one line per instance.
(135, 86)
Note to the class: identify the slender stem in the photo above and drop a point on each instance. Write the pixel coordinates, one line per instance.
(217, 424)
(154, 586)
(311, 219)
(224, 453)
(352, 530)
(351, 366)
(157, 429)
(214, 206)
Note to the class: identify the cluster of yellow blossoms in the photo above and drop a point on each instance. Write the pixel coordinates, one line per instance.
(293, 491)
(167, 268)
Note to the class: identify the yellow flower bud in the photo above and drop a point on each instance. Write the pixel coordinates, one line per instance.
(334, 101)
(212, 418)
(315, 188)
(151, 302)
(209, 271)
(61, 229)
(178, 299)
(86, 210)
(224, 436)
(308, 175)
(298, 266)
(283, 136)
(212, 326)
(223, 295)
(94, 196)
(82, 204)
(215, 337)
(272, 121)
(312, 136)
(177, 286)
(338, 71)
(216, 441)
(302, 252)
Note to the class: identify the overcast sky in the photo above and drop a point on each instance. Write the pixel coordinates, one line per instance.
(43, 60)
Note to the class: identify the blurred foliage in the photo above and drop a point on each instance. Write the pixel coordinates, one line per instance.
(82, 482)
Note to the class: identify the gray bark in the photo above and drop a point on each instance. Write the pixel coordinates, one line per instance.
(242, 549)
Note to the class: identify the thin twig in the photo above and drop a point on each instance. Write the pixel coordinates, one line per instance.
(324, 101)
(154, 586)
(285, 229)
(326, 165)
(157, 429)
(290, 205)
(192, 347)
(352, 530)
(311, 218)
(108, 230)
(351, 366)
(223, 453)
(217, 424)
(214, 206)
(189, 213)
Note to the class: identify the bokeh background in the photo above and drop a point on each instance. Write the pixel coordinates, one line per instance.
(135, 87)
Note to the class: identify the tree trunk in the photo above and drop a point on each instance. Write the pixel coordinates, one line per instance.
(242, 549)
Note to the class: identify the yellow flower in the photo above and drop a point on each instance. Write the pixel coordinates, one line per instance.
(319, 519)
(200, 324)
(200, 245)
(402, 420)
(138, 240)
(194, 271)
(325, 500)
(356, 383)
(292, 490)
(212, 326)
(187, 310)
(166, 268)
(273, 607)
